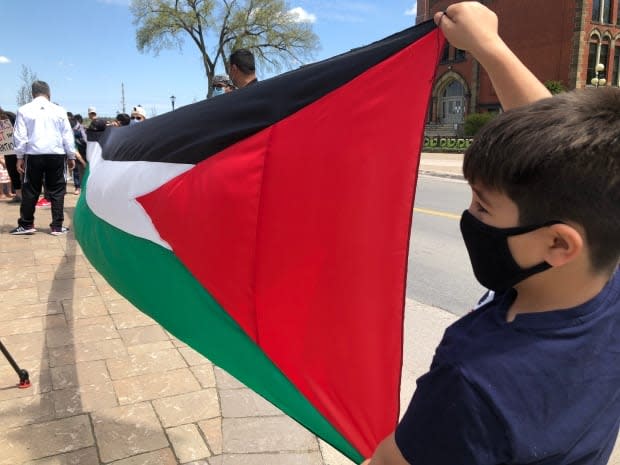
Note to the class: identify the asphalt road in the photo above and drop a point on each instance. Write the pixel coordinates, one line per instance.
(439, 270)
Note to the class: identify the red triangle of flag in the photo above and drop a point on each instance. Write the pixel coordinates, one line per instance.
(301, 233)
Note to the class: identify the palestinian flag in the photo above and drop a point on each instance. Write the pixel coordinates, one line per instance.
(268, 228)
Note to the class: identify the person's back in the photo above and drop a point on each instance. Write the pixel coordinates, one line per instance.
(44, 123)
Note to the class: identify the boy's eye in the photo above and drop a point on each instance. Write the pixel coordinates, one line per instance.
(480, 208)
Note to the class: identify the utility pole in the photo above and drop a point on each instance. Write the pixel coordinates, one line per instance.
(123, 97)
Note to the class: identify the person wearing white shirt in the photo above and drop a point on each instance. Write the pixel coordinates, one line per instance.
(43, 142)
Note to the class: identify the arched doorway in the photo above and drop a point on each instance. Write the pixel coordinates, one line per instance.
(452, 103)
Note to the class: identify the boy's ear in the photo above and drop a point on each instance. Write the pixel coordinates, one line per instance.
(565, 243)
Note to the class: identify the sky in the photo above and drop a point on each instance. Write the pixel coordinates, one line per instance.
(85, 50)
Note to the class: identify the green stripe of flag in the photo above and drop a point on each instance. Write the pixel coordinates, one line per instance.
(156, 282)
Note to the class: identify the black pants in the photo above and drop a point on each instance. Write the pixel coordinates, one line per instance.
(11, 167)
(50, 169)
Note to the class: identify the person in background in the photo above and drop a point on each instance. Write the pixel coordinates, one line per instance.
(92, 114)
(122, 119)
(5, 180)
(11, 162)
(242, 68)
(138, 115)
(221, 85)
(43, 142)
(79, 134)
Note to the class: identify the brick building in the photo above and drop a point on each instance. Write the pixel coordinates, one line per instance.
(559, 40)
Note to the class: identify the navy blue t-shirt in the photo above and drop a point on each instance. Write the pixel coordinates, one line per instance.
(544, 389)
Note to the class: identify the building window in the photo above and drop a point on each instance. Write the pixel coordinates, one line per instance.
(459, 55)
(596, 10)
(445, 56)
(592, 58)
(604, 58)
(598, 52)
(601, 11)
(607, 11)
(614, 76)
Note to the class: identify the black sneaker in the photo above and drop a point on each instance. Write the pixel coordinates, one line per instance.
(21, 230)
(59, 231)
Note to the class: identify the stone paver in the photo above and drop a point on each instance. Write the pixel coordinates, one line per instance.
(149, 347)
(155, 385)
(126, 320)
(143, 335)
(84, 334)
(84, 398)
(86, 456)
(160, 457)
(11, 312)
(188, 408)
(145, 363)
(81, 373)
(128, 430)
(84, 352)
(192, 357)
(226, 381)
(187, 443)
(39, 440)
(265, 434)
(294, 458)
(84, 308)
(26, 410)
(212, 431)
(241, 403)
(205, 375)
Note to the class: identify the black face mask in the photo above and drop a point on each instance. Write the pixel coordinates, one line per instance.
(494, 266)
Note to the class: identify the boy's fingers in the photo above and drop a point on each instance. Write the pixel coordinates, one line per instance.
(438, 17)
(442, 19)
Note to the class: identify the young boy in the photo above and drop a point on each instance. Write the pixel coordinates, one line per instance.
(533, 376)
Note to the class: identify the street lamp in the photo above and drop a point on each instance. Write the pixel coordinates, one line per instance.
(596, 81)
(172, 99)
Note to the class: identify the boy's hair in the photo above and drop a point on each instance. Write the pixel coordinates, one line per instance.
(558, 159)
(244, 59)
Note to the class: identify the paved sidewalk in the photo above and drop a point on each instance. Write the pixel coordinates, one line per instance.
(111, 386)
(442, 164)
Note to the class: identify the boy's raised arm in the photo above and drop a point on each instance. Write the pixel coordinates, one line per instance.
(473, 27)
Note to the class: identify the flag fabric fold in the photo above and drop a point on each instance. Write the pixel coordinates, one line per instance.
(268, 228)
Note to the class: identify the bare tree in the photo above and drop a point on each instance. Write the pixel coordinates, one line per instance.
(24, 94)
(278, 36)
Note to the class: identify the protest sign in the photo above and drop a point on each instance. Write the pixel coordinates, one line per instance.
(6, 137)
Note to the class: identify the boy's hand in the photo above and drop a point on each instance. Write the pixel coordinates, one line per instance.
(469, 26)
(473, 27)
(20, 165)
(70, 164)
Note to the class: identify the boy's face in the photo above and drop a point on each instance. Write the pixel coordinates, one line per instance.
(496, 209)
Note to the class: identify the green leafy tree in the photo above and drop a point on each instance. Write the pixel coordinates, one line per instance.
(277, 35)
(24, 94)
